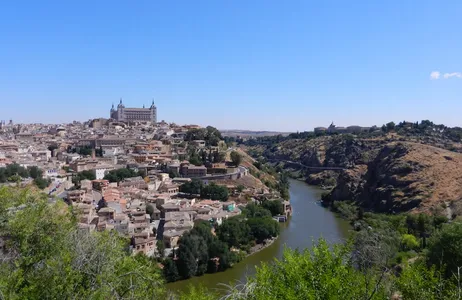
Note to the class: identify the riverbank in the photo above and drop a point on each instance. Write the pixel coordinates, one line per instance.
(259, 247)
(308, 222)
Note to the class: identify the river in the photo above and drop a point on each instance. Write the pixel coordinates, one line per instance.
(309, 222)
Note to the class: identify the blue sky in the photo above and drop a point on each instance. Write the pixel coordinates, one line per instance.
(262, 65)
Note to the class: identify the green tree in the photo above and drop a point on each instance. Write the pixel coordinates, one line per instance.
(3, 175)
(195, 160)
(409, 242)
(42, 183)
(283, 185)
(236, 158)
(48, 257)
(274, 206)
(173, 174)
(52, 147)
(418, 282)
(150, 211)
(215, 192)
(120, 174)
(444, 248)
(14, 178)
(13, 170)
(160, 248)
(253, 210)
(87, 174)
(195, 186)
(170, 271)
(35, 172)
(210, 135)
(86, 151)
(234, 231)
(319, 273)
(390, 126)
(187, 265)
(263, 228)
(198, 248)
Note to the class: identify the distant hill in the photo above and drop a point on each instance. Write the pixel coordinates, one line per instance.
(250, 133)
(404, 167)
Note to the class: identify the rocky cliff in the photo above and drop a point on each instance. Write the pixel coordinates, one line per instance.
(402, 177)
(383, 175)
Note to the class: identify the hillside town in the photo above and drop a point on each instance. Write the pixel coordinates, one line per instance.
(126, 174)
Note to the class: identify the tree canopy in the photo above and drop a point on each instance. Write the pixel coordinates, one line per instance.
(236, 158)
(47, 257)
(445, 248)
(210, 191)
(120, 174)
(210, 135)
(274, 206)
(15, 172)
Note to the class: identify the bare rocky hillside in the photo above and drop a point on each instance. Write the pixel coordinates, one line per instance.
(387, 173)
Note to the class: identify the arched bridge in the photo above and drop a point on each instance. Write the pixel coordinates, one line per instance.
(305, 166)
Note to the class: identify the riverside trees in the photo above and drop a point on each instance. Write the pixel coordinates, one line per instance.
(200, 251)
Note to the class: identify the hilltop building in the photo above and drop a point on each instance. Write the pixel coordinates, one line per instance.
(124, 114)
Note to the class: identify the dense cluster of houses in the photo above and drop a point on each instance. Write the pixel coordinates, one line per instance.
(145, 209)
(144, 215)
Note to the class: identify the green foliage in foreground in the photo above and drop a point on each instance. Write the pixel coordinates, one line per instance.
(45, 256)
(316, 274)
(326, 272)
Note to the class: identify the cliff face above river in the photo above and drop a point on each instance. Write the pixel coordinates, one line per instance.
(381, 174)
(401, 177)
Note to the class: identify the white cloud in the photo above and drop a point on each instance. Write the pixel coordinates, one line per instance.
(454, 74)
(435, 75)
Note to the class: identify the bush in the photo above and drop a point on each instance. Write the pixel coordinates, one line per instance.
(330, 181)
(409, 242)
(42, 183)
(345, 209)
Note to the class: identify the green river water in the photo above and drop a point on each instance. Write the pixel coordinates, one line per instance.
(309, 222)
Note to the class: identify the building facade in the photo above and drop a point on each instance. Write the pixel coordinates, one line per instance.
(123, 114)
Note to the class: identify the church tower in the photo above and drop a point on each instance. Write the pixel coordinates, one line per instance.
(153, 109)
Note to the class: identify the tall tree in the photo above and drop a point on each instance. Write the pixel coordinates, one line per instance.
(236, 158)
(170, 271)
(35, 172)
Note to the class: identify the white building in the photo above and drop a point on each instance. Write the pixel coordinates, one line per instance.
(100, 171)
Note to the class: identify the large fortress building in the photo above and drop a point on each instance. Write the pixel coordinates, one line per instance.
(123, 114)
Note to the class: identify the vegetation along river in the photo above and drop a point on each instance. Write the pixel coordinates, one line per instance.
(309, 222)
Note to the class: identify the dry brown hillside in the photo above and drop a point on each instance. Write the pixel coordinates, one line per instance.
(404, 176)
(247, 161)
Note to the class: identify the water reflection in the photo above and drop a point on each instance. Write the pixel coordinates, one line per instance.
(309, 222)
